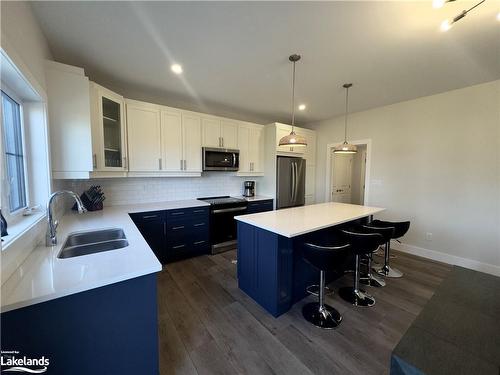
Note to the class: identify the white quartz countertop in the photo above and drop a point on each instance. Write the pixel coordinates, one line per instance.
(43, 276)
(291, 222)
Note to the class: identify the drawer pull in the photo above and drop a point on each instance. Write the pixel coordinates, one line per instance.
(178, 213)
(199, 242)
(149, 216)
(179, 227)
(178, 247)
(199, 211)
(199, 224)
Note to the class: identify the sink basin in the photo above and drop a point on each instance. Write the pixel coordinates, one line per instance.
(84, 243)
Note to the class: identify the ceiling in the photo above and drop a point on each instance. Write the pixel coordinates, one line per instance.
(235, 54)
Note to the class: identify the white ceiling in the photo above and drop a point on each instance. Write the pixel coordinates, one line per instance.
(235, 54)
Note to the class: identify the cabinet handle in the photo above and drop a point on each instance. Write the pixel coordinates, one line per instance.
(199, 211)
(149, 216)
(94, 160)
(185, 164)
(220, 143)
(179, 227)
(199, 224)
(199, 242)
(178, 213)
(181, 164)
(222, 138)
(178, 246)
(159, 164)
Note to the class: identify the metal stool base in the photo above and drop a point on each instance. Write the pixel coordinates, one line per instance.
(361, 298)
(388, 271)
(373, 281)
(326, 317)
(314, 290)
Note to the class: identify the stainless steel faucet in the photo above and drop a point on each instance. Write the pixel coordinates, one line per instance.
(51, 237)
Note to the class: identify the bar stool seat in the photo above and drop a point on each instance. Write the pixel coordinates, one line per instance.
(360, 244)
(400, 229)
(323, 255)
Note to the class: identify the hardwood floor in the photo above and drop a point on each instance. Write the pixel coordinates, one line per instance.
(208, 326)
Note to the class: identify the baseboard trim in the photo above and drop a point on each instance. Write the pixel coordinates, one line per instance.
(447, 258)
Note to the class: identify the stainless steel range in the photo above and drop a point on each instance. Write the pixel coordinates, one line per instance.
(222, 223)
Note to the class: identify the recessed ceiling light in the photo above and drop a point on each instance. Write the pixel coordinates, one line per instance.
(438, 3)
(498, 16)
(446, 25)
(302, 107)
(176, 68)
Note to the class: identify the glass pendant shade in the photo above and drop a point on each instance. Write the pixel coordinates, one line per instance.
(345, 148)
(293, 139)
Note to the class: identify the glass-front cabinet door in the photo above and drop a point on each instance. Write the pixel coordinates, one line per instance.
(108, 131)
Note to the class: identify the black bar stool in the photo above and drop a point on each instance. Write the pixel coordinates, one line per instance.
(323, 257)
(400, 229)
(360, 244)
(387, 233)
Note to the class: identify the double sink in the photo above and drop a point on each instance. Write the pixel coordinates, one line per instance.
(90, 242)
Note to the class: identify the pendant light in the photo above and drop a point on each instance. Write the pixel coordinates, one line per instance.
(293, 139)
(346, 148)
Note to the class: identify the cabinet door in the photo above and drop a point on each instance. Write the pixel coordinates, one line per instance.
(229, 134)
(171, 140)
(144, 138)
(112, 149)
(244, 147)
(191, 128)
(211, 132)
(256, 146)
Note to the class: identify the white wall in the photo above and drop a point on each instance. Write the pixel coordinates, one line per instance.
(436, 162)
(155, 189)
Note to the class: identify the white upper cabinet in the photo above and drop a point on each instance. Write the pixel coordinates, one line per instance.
(108, 130)
(171, 140)
(219, 132)
(251, 146)
(191, 142)
(144, 142)
(69, 121)
(211, 132)
(229, 134)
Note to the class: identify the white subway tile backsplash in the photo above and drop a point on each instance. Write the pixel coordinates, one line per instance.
(134, 190)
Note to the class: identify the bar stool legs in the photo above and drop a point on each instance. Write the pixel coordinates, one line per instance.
(370, 279)
(320, 314)
(356, 296)
(386, 270)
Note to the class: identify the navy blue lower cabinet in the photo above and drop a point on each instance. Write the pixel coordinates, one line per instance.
(259, 206)
(152, 226)
(108, 330)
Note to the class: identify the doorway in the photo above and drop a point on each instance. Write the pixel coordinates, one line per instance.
(347, 175)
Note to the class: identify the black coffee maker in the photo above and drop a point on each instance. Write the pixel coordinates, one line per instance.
(249, 188)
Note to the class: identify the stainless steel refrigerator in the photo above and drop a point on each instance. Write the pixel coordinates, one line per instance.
(290, 182)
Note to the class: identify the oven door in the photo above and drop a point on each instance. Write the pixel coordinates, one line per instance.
(223, 226)
(220, 159)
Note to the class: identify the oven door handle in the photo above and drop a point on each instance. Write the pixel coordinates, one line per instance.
(224, 210)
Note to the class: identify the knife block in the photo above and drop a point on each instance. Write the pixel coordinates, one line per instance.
(88, 203)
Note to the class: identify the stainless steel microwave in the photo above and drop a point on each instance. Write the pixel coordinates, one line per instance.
(220, 159)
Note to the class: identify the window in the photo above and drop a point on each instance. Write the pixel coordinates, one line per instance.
(13, 150)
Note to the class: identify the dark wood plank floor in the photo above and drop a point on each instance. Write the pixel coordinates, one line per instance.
(208, 326)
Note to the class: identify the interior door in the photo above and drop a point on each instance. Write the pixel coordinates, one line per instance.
(171, 140)
(191, 125)
(341, 178)
(144, 138)
(211, 132)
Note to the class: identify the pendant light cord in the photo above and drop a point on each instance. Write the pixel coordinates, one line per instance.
(346, 112)
(293, 95)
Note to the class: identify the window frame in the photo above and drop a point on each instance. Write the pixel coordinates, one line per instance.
(5, 201)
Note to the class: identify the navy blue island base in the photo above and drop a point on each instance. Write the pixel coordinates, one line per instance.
(271, 269)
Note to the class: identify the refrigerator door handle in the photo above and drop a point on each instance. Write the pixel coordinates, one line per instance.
(296, 171)
(293, 183)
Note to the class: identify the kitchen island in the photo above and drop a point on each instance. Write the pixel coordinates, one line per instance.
(271, 269)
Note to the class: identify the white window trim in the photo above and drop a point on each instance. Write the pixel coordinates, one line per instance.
(15, 215)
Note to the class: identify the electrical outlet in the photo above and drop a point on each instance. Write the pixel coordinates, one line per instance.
(428, 236)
